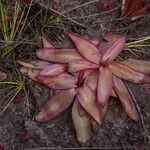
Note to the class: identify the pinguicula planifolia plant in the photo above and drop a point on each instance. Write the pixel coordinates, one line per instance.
(86, 75)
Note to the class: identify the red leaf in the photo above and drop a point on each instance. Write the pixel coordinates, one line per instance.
(93, 41)
(82, 124)
(107, 42)
(58, 55)
(113, 93)
(114, 50)
(125, 98)
(92, 80)
(86, 48)
(47, 43)
(126, 73)
(53, 70)
(104, 86)
(138, 65)
(34, 64)
(54, 106)
(75, 66)
(62, 81)
(29, 72)
(82, 75)
(81, 110)
(87, 99)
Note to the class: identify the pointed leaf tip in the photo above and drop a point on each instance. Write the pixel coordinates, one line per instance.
(34, 64)
(125, 98)
(29, 72)
(55, 105)
(126, 73)
(58, 55)
(60, 82)
(47, 43)
(75, 66)
(82, 124)
(114, 50)
(87, 99)
(87, 49)
(138, 65)
(53, 70)
(104, 86)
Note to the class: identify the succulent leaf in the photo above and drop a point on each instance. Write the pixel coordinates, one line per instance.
(55, 105)
(125, 98)
(60, 82)
(29, 72)
(53, 70)
(34, 64)
(58, 55)
(104, 86)
(114, 50)
(76, 66)
(87, 99)
(138, 65)
(87, 49)
(47, 43)
(82, 124)
(126, 73)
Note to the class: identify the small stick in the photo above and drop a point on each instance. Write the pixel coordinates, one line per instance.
(139, 111)
(53, 10)
(79, 6)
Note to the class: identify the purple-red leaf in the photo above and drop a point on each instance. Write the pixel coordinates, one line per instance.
(82, 75)
(53, 70)
(29, 72)
(87, 99)
(107, 41)
(75, 66)
(87, 49)
(34, 64)
(127, 73)
(62, 81)
(82, 124)
(47, 43)
(93, 41)
(81, 110)
(113, 93)
(125, 98)
(58, 55)
(114, 50)
(92, 80)
(55, 105)
(104, 86)
(138, 65)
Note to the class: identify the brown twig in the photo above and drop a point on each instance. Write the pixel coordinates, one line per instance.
(79, 6)
(59, 13)
(139, 111)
